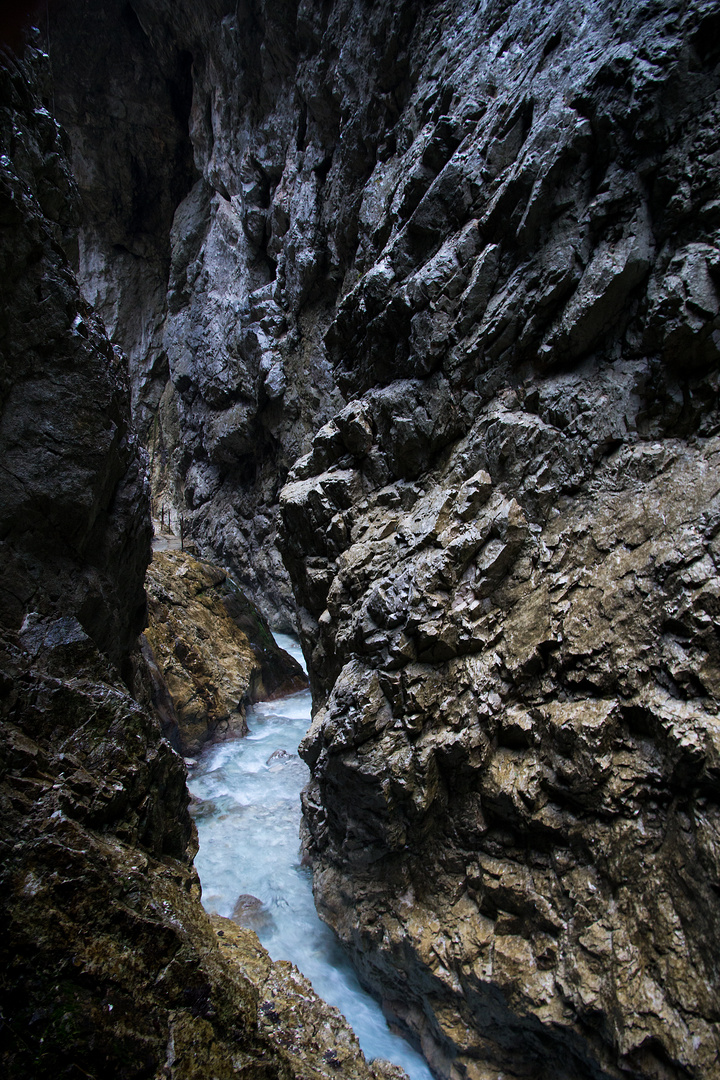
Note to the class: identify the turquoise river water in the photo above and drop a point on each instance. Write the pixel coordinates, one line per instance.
(248, 823)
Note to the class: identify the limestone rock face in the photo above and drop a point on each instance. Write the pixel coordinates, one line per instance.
(378, 193)
(214, 652)
(111, 90)
(505, 564)
(109, 966)
(513, 813)
(462, 261)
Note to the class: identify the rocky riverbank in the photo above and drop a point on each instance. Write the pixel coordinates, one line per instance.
(109, 967)
(513, 816)
(209, 650)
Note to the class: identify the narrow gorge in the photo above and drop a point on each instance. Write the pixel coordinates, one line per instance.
(406, 317)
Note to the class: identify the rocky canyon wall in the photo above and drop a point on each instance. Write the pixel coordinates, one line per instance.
(451, 270)
(109, 967)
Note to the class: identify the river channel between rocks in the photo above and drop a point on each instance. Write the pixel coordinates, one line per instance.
(248, 821)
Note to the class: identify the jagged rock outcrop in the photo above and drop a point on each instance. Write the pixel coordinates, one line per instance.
(258, 249)
(375, 197)
(513, 815)
(213, 652)
(506, 567)
(109, 966)
(317, 1041)
(464, 258)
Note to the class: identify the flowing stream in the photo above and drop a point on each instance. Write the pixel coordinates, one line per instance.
(248, 822)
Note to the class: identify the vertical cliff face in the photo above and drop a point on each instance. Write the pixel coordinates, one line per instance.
(505, 552)
(301, 148)
(109, 967)
(74, 534)
(461, 260)
(130, 155)
(90, 794)
(285, 118)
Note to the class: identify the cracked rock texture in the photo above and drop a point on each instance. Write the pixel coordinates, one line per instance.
(318, 1041)
(109, 967)
(211, 652)
(456, 265)
(368, 193)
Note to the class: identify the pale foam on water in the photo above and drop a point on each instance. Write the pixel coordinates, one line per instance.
(248, 824)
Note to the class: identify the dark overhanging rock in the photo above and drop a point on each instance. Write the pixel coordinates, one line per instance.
(73, 498)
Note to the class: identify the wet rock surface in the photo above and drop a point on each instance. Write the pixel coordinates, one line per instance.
(515, 766)
(374, 197)
(462, 261)
(214, 652)
(74, 531)
(109, 967)
(315, 1037)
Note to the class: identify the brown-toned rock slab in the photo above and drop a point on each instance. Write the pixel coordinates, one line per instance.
(214, 651)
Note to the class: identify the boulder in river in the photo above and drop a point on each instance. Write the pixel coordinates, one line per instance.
(251, 913)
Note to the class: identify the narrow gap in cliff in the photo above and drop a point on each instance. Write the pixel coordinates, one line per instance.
(552, 43)
(181, 91)
(323, 168)
(129, 17)
(706, 39)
